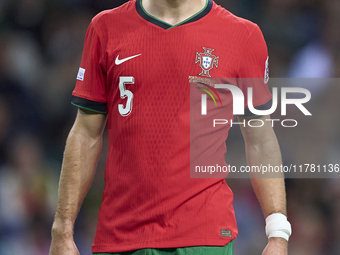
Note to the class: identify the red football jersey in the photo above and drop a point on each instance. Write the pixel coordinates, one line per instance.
(136, 69)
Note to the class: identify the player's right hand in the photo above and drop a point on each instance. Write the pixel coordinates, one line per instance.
(276, 246)
(62, 238)
(63, 247)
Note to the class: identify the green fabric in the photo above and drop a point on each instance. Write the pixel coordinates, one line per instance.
(172, 26)
(85, 108)
(196, 250)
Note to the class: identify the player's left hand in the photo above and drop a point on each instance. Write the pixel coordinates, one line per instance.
(276, 246)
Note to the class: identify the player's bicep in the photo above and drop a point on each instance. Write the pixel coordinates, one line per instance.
(254, 74)
(257, 135)
(90, 89)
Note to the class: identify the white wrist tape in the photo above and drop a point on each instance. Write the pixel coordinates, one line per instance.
(277, 225)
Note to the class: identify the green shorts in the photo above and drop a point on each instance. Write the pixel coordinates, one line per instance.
(196, 250)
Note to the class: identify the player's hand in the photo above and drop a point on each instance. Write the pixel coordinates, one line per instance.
(276, 246)
(63, 247)
(62, 240)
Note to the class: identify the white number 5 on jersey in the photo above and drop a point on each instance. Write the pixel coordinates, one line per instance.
(125, 111)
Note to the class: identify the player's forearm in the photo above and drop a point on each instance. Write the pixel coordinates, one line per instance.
(269, 191)
(79, 164)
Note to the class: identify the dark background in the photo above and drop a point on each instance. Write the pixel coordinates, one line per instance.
(40, 51)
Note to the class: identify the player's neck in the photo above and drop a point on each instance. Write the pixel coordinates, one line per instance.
(173, 11)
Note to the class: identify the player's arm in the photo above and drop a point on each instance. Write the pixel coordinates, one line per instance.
(81, 154)
(262, 148)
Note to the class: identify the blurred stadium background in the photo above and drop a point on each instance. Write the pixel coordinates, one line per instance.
(40, 50)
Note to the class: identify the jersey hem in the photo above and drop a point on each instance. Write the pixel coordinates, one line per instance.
(157, 245)
(85, 108)
(90, 105)
(87, 98)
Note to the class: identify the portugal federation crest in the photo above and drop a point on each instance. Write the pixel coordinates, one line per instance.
(207, 61)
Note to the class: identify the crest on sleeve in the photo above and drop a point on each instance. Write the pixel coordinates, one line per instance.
(266, 72)
(207, 61)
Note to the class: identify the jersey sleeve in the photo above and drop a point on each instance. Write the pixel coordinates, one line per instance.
(90, 89)
(254, 72)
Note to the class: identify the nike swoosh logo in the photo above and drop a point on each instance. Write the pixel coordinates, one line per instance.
(121, 61)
